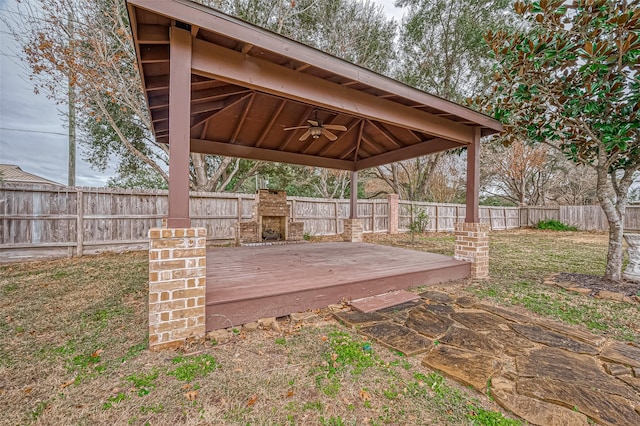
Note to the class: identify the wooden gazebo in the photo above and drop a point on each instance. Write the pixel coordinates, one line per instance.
(218, 85)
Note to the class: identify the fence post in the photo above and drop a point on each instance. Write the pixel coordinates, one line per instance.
(337, 211)
(437, 218)
(79, 222)
(373, 216)
(524, 217)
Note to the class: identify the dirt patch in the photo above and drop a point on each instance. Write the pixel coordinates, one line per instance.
(597, 284)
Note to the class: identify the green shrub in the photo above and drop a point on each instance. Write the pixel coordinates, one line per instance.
(555, 225)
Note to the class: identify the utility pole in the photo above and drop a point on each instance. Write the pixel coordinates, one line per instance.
(71, 181)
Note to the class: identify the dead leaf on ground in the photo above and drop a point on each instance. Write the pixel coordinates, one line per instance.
(28, 390)
(97, 353)
(69, 383)
(185, 387)
(289, 394)
(191, 395)
(364, 395)
(252, 400)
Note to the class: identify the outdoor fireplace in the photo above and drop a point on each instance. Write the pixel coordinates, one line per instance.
(271, 220)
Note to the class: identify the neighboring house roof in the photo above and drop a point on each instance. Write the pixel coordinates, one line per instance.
(12, 173)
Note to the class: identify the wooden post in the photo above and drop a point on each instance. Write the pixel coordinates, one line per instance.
(79, 222)
(354, 195)
(374, 205)
(179, 128)
(436, 218)
(336, 208)
(473, 179)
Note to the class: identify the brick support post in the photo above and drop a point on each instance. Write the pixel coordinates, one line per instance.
(472, 245)
(177, 286)
(394, 216)
(352, 230)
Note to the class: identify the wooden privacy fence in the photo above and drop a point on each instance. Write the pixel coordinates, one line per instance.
(42, 220)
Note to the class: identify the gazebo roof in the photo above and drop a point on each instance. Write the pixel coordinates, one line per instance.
(249, 84)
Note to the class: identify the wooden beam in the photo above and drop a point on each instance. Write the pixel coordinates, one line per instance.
(216, 93)
(417, 150)
(261, 154)
(473, 179)
(154, 53)
(353, 214)
(225, 105)
(340, 137)
(355, 156)
(269, 125)
(179, 117)
(385, 133)
(243, 117)
(225, 64)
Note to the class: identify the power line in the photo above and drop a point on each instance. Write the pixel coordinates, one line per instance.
(33, 131)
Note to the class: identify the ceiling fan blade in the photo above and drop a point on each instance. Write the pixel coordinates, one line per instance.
(297, 127)
(314, 123)
(305, 136)
(329, 135)
(335, 127)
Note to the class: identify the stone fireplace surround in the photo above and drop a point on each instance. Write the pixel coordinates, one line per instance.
(270, 213)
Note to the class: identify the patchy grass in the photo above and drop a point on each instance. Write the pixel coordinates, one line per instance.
(73, 338)
(73, 351)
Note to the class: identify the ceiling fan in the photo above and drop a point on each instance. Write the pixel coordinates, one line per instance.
(316, 128)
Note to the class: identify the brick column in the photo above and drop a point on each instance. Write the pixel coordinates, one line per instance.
(394, 216)
(472, 245)
(352, 230)
(177, 286)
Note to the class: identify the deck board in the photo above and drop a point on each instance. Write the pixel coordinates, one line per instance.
(247, 283)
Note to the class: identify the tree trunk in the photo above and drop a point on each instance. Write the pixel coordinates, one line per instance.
(614, 211)
(614, 253)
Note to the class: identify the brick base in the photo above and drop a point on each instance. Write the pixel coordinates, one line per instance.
(472, 245)
(352, 230)
(177, 286)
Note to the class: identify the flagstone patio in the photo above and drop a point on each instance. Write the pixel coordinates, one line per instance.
(543, 371)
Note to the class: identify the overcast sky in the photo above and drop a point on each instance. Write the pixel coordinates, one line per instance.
(33, 132)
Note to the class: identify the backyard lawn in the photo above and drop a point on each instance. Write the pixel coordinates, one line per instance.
(73, 338)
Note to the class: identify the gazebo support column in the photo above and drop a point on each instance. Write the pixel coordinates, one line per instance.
(177, 253)
(353, 226)
(472, 237)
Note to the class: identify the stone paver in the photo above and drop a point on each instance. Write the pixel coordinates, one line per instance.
(397, 337)
(543, 371)
(539, 334)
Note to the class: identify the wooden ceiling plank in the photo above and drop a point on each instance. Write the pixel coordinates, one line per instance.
(301, 122)
(153, 34)
(270, 124)
(225, 64)
(412, 151)
(386, 134)
(158, 82)
(262, 154)
(303, 67)
(243, 117)
(225, 105)
(376, 149)
(341, 136)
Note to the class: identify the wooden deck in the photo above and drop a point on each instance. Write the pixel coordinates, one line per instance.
(248, 283)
